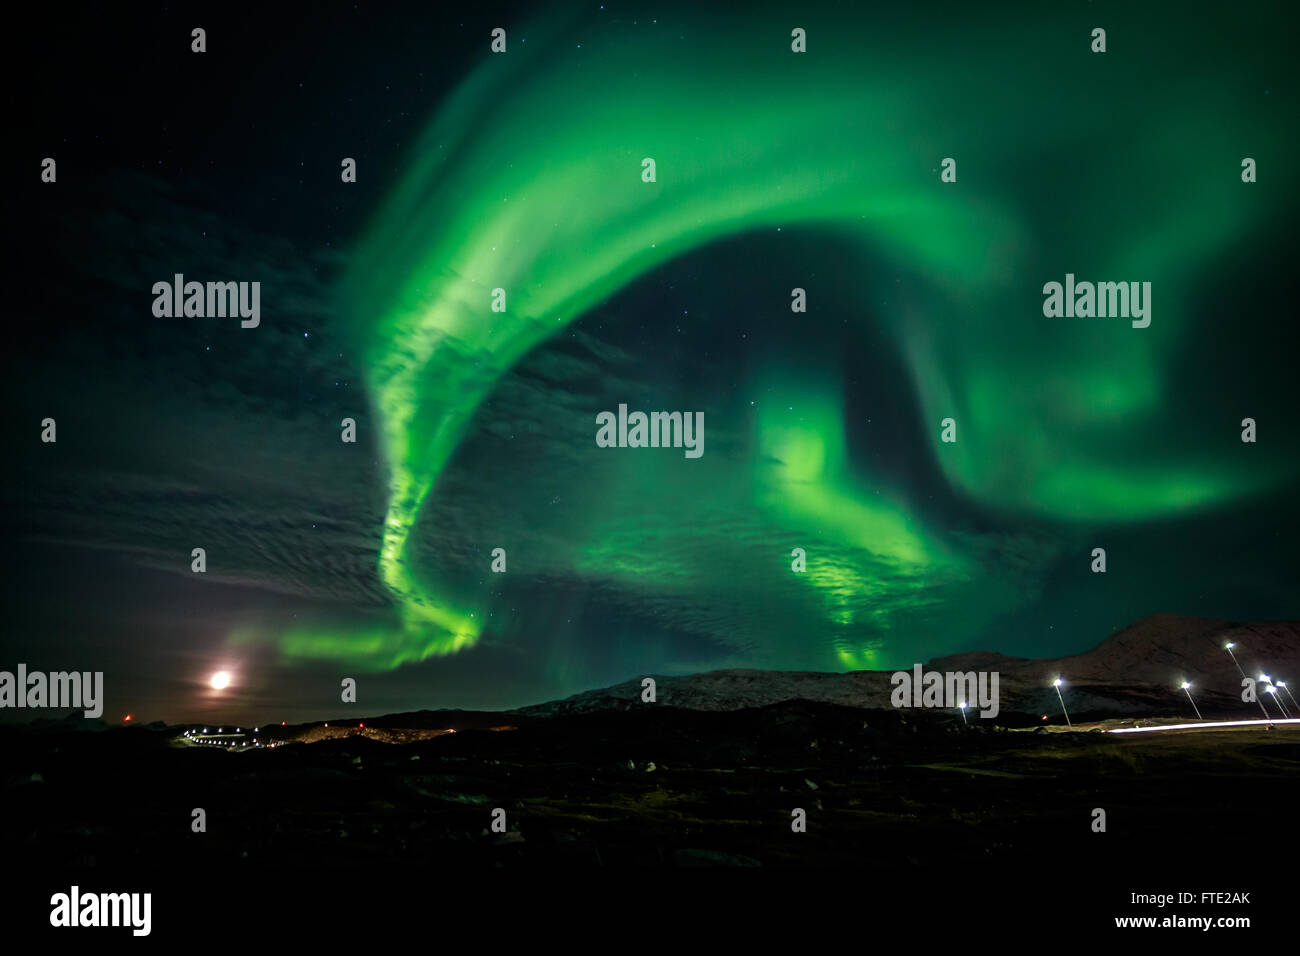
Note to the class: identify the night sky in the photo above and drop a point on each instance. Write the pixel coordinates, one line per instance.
(476, 429)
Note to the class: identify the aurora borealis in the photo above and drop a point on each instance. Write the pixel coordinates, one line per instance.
(774, 171)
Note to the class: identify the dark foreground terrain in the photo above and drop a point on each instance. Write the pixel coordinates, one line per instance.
(611, 802)
(901, 800)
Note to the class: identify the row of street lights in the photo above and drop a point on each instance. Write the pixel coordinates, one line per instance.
(1270, 687)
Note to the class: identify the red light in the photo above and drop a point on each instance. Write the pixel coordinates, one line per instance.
(282, 723)
(127, 717)
(363, 725)
(327, 724)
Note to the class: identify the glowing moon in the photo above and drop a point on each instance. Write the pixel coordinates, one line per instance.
(220, 680)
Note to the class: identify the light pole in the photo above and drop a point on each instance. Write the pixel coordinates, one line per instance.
(1228, 647)
(1270, 689)
(1187, 689)
(963, 714)
(1259, 701)
(1057, 684)
(1282, 684)
(1278, 700)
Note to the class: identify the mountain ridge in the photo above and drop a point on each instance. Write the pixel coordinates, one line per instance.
(1148, 657)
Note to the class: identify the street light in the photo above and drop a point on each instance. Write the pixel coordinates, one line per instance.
(1282, 684)
(963, 713)
(1057, 684)
(1278, 700)
(1228, 647)
(1187, 689)
(1268, 689)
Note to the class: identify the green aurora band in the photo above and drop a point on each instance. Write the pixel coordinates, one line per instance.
(529, 179)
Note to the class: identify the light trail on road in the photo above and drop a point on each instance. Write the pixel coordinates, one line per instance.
(1201, 725)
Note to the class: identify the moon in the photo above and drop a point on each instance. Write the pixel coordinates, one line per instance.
(220, 680)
